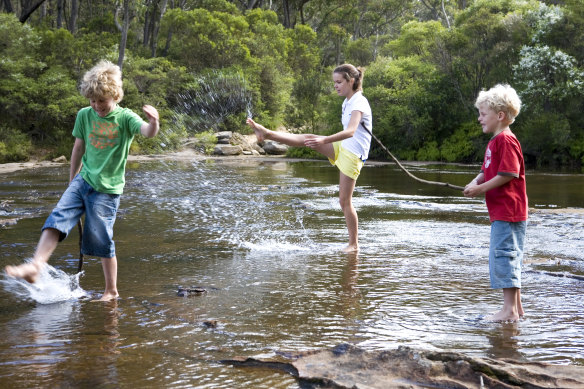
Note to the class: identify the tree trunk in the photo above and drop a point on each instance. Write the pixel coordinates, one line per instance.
(156, 29)
(168, 40)
(124, 33)
(60, 13)
(117, 17)
(147, 16)
(286, 10)
(27, 12)
(8, 6)
(74, 14)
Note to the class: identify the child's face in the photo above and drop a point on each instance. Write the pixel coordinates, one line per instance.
(491, 121)
(102, 105)
(342, 86)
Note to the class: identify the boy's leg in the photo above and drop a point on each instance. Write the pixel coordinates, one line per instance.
(510, 309)
(30, 271)
(61, 220)
(346, 188)
(100, 217)
(110, 274)
(520, 310)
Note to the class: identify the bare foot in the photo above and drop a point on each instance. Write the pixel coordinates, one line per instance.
(27, 271)
(503, 317)
(351, 249)
(260, 131)
(107, 297)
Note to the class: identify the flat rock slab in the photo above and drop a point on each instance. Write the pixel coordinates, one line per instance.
(347, 366)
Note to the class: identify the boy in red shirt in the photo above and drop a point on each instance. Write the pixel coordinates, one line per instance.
(502, 180)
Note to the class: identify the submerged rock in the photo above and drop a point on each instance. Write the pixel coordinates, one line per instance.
(347, 366)
(188, 292)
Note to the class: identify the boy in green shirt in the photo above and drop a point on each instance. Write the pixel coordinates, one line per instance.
(103, 134)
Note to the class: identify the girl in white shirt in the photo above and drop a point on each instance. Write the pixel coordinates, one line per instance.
(347, 149)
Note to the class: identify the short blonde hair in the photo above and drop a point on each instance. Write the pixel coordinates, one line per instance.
(501, 98)
(103, 80)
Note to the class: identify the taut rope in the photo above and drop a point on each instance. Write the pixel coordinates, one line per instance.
(446, 184)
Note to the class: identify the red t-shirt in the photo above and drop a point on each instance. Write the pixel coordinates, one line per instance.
(504, 157)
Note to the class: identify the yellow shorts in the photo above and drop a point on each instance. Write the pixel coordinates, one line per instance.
(348, 163)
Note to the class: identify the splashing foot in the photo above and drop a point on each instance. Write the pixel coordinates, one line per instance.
(27, 271)
(260, 131)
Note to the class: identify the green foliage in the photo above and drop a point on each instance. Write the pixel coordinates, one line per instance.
(14, 145)
(205, 39)
(429, 152)
(303, 152)
(416, 38)
(459, 146)
(207, 141)
(545, 140)
(425, 64)
(359, 51)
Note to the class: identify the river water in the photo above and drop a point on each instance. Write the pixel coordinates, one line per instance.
(263, 238)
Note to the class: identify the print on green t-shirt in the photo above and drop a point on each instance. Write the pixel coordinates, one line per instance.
(107, 144)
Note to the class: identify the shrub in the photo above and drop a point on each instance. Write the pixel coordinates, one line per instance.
(14, 145)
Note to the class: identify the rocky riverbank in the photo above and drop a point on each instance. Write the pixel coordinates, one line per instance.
(348, 366)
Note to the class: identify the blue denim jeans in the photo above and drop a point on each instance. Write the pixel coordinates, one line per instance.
(506, 253)
(100, 215)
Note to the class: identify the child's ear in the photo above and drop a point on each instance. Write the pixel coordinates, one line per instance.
(501, 115)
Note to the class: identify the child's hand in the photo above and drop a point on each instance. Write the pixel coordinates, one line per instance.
(471, 190)
(151, 112)
(313, 141)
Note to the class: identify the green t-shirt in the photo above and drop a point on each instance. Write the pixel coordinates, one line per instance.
(107, 144)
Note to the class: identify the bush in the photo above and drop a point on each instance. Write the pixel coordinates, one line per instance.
(14, 145)
(429, 152)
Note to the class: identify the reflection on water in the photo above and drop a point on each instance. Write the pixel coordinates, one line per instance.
(264, 240)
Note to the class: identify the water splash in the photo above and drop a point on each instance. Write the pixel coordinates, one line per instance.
(208, 105)
(52, 286)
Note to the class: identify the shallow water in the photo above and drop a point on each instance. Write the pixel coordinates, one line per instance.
(264, 240)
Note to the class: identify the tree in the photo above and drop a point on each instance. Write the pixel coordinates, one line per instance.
(124, 38)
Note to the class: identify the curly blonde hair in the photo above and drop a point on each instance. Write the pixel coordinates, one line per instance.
(501, 98)
(103, 80)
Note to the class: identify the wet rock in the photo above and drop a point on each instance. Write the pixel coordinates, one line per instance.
(257, 148)
(189, 292)
(8, 222)
(221, 149)
(274, 148)
(61, 159)
(224, 137)
(211, 323)
(347, 366)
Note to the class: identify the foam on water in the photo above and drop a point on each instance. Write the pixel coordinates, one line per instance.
(52, 286)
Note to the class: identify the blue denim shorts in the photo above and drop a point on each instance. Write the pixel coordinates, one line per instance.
(100, 215)
(506, 253)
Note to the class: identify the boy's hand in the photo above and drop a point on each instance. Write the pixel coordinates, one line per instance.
(151, 112)
(472, 190)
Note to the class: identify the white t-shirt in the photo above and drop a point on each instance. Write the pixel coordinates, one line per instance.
(360, 142)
